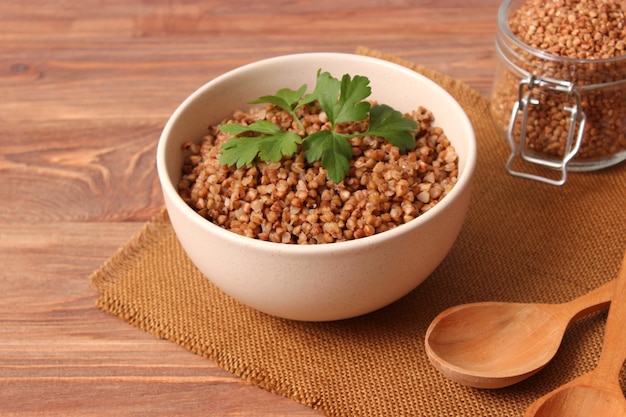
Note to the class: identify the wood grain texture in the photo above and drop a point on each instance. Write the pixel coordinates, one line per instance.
(85, 89)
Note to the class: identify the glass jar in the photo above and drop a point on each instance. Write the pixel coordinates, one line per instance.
(558, 112)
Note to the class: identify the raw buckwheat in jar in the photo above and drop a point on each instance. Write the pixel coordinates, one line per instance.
(559, 96)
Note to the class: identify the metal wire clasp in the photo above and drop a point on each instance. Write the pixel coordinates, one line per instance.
(574, 133)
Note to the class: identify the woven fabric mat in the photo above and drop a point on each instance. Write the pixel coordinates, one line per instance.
(522, 241)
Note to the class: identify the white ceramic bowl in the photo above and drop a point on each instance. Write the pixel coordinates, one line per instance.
(317, 282)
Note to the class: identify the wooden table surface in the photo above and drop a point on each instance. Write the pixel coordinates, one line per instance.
(85, 89)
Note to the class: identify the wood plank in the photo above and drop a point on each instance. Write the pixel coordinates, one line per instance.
(60, 355)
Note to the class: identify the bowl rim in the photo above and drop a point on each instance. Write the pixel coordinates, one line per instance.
(169, 188)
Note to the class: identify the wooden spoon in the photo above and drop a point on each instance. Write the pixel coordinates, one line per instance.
(597, 393)
(497, 344)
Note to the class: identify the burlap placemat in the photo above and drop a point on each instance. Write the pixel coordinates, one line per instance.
(522, 241)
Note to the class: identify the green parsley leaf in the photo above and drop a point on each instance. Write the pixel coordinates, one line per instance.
(271, 146)
(239, 151)
(332, 150)
(274, 147)
(351, 107)
(284, 98)
(393, 126)
(327, 92)
(343, 101)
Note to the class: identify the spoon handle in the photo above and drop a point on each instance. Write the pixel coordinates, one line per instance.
(595, 300)
(614, 348)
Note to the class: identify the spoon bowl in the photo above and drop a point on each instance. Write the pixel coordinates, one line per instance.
(596, 393)
(497, 344)
(579, 400)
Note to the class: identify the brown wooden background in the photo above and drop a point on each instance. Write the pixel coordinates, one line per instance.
(85, 89)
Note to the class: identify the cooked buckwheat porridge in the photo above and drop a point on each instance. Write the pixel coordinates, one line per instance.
(292, 201)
